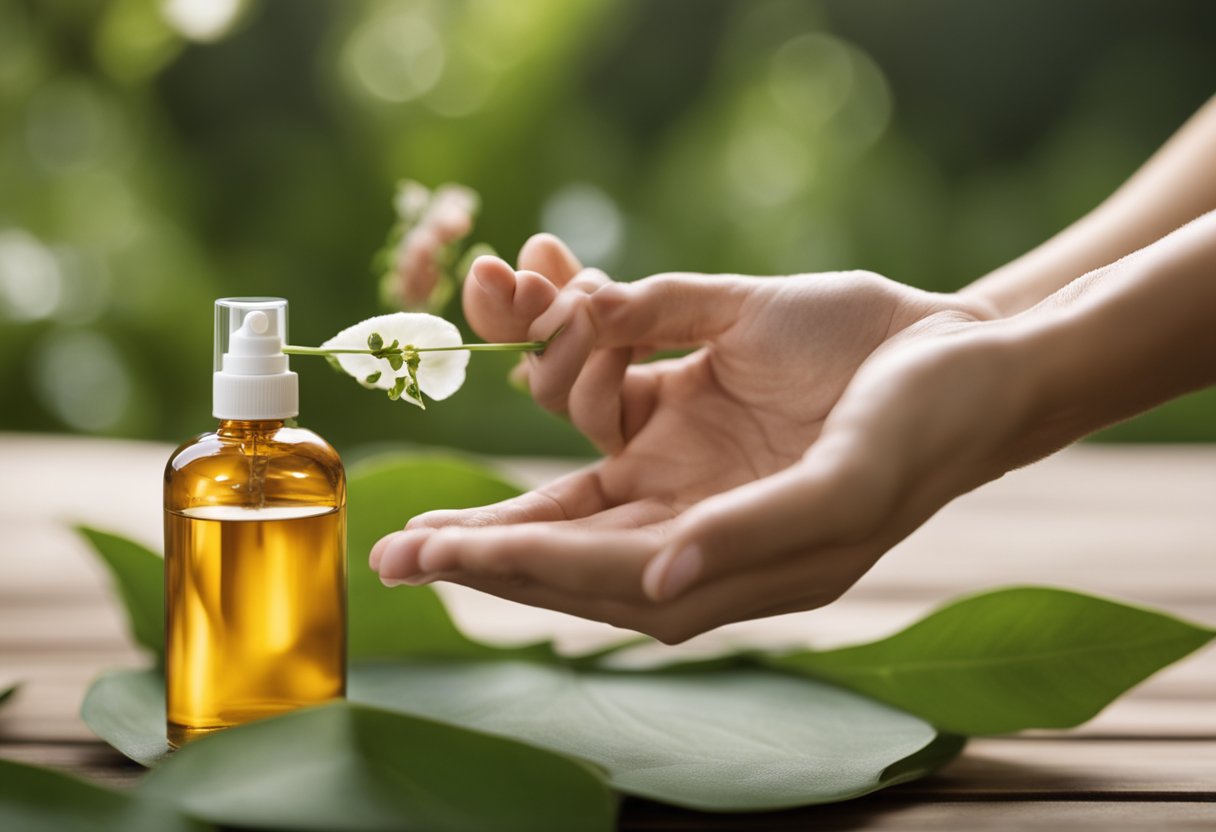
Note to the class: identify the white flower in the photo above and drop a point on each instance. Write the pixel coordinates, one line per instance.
(440, 374)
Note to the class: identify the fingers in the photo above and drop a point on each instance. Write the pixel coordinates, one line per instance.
(573, 496)
(573, 555)
(567, 322)
(548, 255)
(579, 561)
(500, 303)
(668, 310)
(600, 583)
(595, 399)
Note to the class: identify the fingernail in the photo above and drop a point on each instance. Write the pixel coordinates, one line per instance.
(373, 559)
(495, 284)
(678, 574)
(391, 582)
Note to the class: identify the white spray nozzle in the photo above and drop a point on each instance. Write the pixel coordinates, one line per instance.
(252, 379)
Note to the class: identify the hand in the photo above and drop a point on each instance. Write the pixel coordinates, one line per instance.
(724, 495)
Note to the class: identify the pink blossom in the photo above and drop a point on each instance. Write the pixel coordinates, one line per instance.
(435, 222)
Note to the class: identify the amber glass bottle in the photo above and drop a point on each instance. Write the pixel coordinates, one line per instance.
(255, 554)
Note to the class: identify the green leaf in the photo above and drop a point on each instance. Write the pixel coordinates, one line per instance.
(411, 390)
(33, 798)
(394, 392)
(373, 377)
(375, 341)
(140, 577)
(343, 766)
(1016, 658)
(7, 693)
(126, 708)
(739, 740)
(382, 494)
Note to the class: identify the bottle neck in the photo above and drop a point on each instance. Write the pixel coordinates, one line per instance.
(245, 427)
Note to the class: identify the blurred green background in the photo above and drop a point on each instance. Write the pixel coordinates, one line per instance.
(157, 154)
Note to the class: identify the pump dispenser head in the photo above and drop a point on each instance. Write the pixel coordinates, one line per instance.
(251, 378)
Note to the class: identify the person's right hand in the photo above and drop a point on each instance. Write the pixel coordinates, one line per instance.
(699, 447)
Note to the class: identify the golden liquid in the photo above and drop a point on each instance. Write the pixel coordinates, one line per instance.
(256, 614)
(255, 577)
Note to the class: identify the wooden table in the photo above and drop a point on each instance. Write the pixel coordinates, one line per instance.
(1135, 523)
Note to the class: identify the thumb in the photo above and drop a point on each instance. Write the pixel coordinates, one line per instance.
(667, 310)
(791, 512)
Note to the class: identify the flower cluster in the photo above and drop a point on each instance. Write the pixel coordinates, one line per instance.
(425, 245)
(407, 354)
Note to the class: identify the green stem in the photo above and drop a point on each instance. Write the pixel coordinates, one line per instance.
(518, 346)
(513, 346)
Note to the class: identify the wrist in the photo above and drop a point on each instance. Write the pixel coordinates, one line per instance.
(1121, 339)
(1034, 357)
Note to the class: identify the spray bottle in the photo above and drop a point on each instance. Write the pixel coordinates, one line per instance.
(255, 543)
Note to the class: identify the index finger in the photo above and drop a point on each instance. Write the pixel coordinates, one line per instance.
(575, 495)
(570, 497)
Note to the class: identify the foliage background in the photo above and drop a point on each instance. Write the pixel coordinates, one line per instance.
(156, 155)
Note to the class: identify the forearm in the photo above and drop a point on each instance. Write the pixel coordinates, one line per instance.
(1120, 340)
(1176, 185)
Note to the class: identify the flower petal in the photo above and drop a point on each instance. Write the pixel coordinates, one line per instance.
(440, 374)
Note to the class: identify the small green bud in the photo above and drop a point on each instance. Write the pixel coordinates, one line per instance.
(395, 391)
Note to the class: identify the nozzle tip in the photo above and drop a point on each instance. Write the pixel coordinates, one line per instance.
(257, 322)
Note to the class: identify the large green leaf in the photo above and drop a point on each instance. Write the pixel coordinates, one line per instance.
(1023, 657)
(738, 740)
(383, 493)
(126, 708)
(34, 799)
(348, 767)
(139, 575)
(723, 740)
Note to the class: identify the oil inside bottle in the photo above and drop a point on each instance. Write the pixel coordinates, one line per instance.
(256, 613)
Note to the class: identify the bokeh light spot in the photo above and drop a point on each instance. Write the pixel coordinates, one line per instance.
(767, 165)
(396, 55)
(86, 283)
(81, 378)
(811, 77)
(587, 219)
(69, 127)
(202, 20)
(30, 283)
